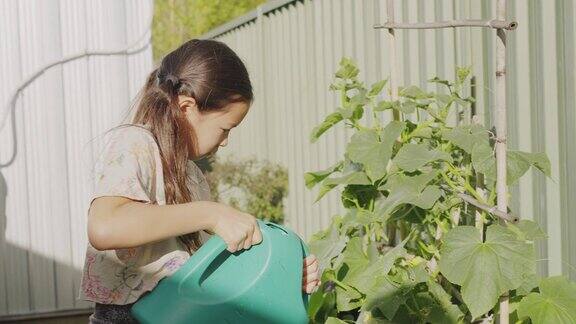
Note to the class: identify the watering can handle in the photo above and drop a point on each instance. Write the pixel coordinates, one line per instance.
(208, 253)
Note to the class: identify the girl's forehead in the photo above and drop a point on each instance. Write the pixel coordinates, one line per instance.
(235, 112)
(231, 114)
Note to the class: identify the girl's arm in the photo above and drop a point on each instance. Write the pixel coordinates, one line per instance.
(116, 222)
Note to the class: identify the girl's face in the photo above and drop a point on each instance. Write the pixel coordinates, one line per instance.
(212, 128)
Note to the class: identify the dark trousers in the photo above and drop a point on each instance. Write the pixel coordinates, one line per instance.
(112, 314)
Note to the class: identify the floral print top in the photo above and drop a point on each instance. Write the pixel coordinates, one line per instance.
(130, 166)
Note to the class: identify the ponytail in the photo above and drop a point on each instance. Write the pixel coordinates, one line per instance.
(172, 132)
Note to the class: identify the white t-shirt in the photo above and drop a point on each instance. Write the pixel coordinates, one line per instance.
(130, 166)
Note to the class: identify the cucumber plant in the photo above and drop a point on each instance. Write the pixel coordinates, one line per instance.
(420, 240)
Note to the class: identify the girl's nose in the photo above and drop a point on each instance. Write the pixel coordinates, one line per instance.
(224, 142)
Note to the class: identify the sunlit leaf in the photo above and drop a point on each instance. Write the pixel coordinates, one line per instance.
(485, 270)
(365, 147)
(413, 156)
(555, 303)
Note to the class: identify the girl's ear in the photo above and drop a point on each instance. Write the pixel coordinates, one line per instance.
(187, 104)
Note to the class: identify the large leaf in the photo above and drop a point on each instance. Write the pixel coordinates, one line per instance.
(366, 147)
(538, 160)
(413, 92)
(390, 292)
(555, 303)
(407, 190)
(485, 270)
(328, 247)
(364, 272)
(413, 156)
(467, 136)
(357, 178)
(448, 312)
(529, 230)
(484, 161)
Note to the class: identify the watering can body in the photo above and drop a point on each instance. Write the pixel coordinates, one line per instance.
(260, 285)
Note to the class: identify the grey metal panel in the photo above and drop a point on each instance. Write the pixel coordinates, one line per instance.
(59, 118)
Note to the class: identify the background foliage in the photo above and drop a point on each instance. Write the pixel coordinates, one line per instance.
(257, 187)
(176, 21)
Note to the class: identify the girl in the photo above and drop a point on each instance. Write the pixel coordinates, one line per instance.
(151, 207)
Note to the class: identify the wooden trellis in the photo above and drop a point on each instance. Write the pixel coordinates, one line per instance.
(501, 25)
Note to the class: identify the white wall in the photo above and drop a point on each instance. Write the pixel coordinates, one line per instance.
(44, 180)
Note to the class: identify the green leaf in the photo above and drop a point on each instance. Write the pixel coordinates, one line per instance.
(390, 292)
(413, 156)
(462, 73)
(324, 189)
(355, 257)
(529, 230)
(467, 136)
(555, 303)
(485, 270)
(426, 198)
(357, 178)
(407, 190)
(366, 272)
(347, 298)
(484, 161)
(386, 296)
(377, 87)
(450, 313)
(328, 247)
(334, 320)
(347, 69)
(312, 178)
(438, 80)
(443, 100)
(422, 131)
(538, 160)
(383, 105)
(406, 107)
(365, 147)
(328, 122)
(413, 92)
(413, 184)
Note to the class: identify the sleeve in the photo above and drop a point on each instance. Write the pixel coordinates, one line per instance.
(126, 166)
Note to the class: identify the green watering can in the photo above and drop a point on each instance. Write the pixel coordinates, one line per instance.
(260, 285)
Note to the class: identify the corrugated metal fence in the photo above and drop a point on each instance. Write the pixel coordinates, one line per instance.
(292, 49)
(44, 179)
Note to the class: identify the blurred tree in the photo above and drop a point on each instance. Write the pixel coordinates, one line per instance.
(176, 21)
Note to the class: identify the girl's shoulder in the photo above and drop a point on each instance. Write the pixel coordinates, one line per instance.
(131, 137)
(131, 132)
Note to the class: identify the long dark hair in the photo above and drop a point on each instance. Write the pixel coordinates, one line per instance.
(211, 73)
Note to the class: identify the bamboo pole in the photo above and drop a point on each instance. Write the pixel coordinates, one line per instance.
(391, 228)
(494, 23)
(392, 39)
(501, 134)
(500, 24)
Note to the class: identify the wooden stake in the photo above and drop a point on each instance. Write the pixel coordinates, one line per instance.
(501, 131)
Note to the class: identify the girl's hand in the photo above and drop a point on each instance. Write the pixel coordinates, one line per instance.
(238, 229)
(310, 276)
